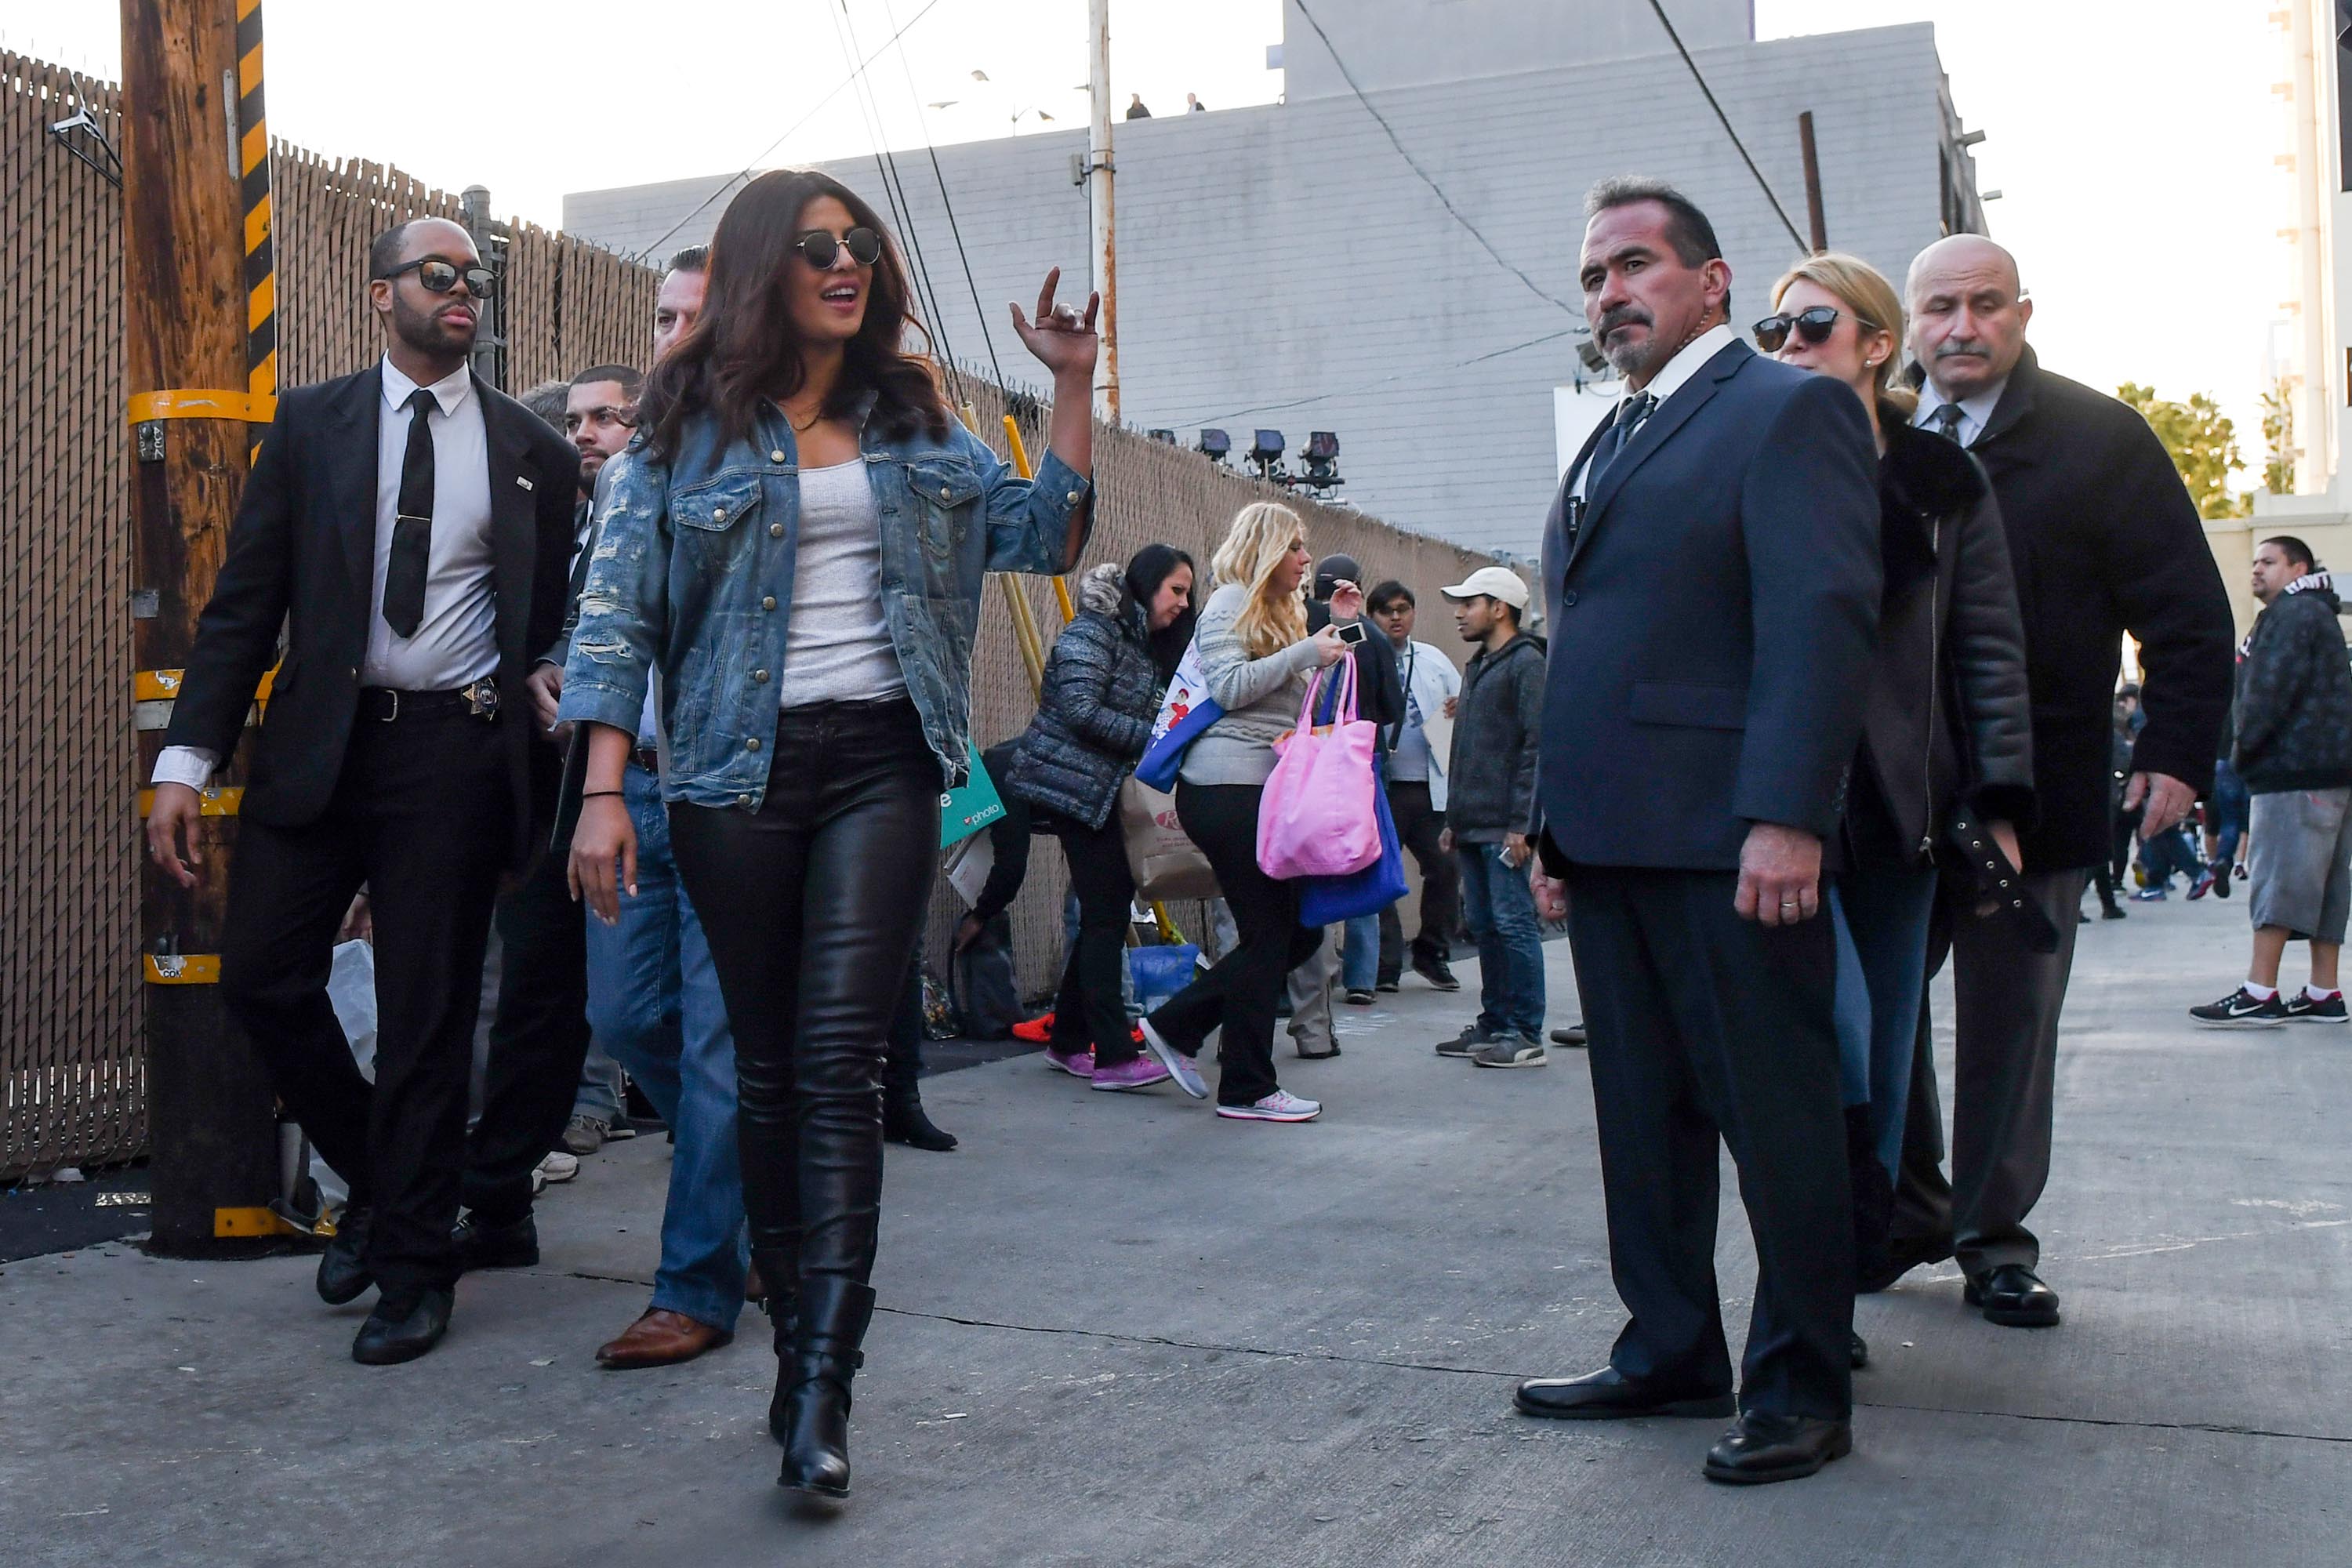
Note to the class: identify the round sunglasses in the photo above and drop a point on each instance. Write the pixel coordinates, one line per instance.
(820, 249)
(439, 277)
(1812, 326)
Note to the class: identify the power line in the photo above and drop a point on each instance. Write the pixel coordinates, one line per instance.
(1383, 380)
(923, 122)
(894, 192)
(1443, 199)
(745, 173)
(1658, 7)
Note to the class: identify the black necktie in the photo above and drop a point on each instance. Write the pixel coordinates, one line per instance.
(412, 531)
(1630, 415)
(1946, 421)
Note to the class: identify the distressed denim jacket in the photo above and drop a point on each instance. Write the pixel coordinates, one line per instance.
(692, 573)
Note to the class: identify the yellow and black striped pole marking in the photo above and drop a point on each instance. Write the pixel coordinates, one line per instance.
(260, 252)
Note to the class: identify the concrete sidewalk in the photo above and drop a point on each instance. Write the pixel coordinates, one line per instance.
(1117, 1330)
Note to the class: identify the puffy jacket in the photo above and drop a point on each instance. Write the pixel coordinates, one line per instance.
(1094, 716)
(1947, 714)
(2295, 693)
(1490, 778)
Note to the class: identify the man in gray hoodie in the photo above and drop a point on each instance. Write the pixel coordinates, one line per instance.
(1490, 802)
(2294, 750)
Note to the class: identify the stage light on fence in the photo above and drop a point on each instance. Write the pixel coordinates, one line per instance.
(1216, 444)
(1159, 435)
(1269, 447)
(1322, 459)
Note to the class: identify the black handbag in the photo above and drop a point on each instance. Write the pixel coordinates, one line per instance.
(1996, 889)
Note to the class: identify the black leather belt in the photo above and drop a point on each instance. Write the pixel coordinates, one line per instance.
(647, 758)
(385, 705)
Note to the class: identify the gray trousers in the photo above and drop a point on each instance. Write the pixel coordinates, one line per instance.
(2004, 1077)
(1311, 984)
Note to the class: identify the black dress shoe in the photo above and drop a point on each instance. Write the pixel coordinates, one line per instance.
(2012, 1297)
(904, 1122)
(1903, 1253)
(1761, 1447)
(1857, 1350)
(402, 1330)
(1610, 1396)
(342, 1268)
(513, 1244)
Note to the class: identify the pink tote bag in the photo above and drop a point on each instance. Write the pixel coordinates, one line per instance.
(1317, 818)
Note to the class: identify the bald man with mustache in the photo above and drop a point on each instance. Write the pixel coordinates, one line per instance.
(2105, 540)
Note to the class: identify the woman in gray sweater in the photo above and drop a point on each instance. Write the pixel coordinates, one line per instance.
(1257, 656)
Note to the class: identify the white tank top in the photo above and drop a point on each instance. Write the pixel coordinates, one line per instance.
(838, 648)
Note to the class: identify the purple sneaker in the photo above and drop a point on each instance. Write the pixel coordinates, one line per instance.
(1077, 1064)
(1140, 1072)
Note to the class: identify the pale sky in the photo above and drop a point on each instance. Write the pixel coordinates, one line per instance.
(2133, 139)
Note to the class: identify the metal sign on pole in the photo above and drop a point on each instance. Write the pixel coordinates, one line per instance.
(201, 360)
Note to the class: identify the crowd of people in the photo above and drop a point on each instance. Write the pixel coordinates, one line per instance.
(1823, 699)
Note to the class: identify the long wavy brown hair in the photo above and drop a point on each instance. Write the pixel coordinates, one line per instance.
(741, 349)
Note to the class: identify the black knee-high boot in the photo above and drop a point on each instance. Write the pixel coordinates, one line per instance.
(813, 1384)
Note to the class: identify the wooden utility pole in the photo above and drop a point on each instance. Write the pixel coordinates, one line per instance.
(1813, 219)
(1099, 170)
(200, 358)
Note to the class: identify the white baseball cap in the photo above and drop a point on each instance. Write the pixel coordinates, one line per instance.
(1495, 583)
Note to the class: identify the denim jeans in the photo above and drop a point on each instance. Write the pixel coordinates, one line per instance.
(1500, 909)
(1881, 919)
(653, 999)
(1360, 964)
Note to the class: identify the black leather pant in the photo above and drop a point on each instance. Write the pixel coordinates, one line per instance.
(813, 905)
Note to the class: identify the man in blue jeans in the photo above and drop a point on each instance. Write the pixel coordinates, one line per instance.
(653, 1002)
(1491, 791)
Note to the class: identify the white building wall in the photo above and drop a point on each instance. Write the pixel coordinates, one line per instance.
(1283, 266)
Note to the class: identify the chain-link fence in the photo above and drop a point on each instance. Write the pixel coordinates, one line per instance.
(71, 1048)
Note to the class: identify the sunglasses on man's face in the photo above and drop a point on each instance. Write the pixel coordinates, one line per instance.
(820, 249)
(1812, 326)
(439, 277)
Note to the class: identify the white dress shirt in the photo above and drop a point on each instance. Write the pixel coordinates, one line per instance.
(1666, 383)
(456, 642)
(1976, 411)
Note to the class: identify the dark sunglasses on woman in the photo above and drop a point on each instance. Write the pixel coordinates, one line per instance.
(819, 248)
(1812, 325)
(439, 277)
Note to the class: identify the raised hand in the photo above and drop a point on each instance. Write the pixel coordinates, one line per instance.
(1062, 339)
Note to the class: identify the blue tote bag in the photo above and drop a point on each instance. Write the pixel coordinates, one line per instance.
(1328, 901)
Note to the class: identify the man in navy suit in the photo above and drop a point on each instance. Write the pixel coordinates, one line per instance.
(1712, 571)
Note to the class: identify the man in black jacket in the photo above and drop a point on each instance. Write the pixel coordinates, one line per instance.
(1711, 566)
(1491, 798)
(412, 526)
(2294, 752)
(2105, 540)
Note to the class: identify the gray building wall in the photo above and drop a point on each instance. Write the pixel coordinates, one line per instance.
(1409, 43)
(1283, 266)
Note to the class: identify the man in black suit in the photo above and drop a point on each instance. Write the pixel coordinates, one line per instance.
(2105, 540)
(411, 528)
(1712, 571)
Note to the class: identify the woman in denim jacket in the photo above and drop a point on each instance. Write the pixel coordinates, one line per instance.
(796, 542)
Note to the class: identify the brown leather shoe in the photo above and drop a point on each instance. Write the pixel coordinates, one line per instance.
(660, 1338)
(754, 1288)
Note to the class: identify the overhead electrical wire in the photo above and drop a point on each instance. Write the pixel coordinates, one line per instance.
(1383, 380)
(647, 253)
(923, 120)
(1762, 183)
(902, 211)
(1426, 178)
